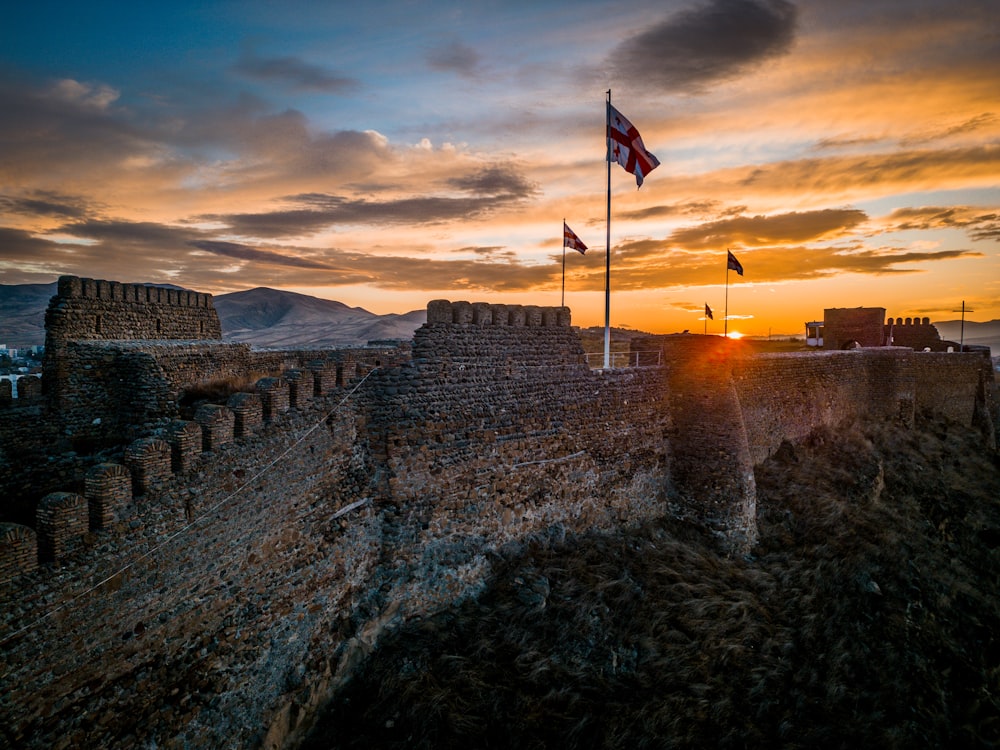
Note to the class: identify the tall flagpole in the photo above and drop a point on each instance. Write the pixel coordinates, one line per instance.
(562, 302)
(725, 327)
(607, 257)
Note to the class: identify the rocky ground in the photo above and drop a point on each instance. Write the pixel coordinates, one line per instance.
(867, 616)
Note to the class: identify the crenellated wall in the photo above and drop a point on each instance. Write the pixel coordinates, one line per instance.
(916, 333)
(213, 586)
(109, 310)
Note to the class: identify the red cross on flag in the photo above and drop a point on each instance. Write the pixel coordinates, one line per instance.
(625, 147)
(571, 240)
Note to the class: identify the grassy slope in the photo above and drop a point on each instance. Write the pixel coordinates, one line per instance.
(868, 616)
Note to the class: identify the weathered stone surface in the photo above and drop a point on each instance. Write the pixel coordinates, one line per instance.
(62, 521)
(108, 489)
(149, 461)
(243, 586)
(18, 551)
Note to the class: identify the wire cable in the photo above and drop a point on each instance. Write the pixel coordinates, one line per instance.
(185, 528)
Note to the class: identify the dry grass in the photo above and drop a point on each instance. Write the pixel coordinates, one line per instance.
(867, 617)
(217, 391)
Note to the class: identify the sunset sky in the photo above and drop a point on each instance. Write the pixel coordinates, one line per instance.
(384, 154)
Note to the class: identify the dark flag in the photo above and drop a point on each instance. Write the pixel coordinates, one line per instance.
(708, 312)
(733, 264)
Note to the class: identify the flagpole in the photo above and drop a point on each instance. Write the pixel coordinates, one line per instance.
(607, 256)
(562, 302)
(725, 317)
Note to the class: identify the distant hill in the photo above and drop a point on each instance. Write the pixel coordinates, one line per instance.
(261, 317)
(22, 313)
(276, 319)
(980, 334)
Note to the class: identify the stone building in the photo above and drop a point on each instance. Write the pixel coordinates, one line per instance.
(850, 327)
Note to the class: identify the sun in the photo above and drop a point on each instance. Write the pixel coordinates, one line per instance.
(734, 335)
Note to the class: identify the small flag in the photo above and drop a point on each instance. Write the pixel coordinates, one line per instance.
(733, 264)
(625, 147)
(708, 312)
(572, 241)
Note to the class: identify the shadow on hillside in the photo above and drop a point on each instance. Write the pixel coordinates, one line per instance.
(866, 617)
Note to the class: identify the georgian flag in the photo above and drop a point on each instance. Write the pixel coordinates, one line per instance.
(572, 241)
(625, 147)
(733, 264)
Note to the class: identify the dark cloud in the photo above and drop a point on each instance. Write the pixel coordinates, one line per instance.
(245, 252)
(492, 251)
(461, 275)
(984, 121)
(911, 170)
(693, 208)
(47, 204)
(130, 233)
(105, 250)
(490, 274)
(846, 142)
(54, 135)
(495, 180)
(294, 72)
(340, 210)
(701, 45)
(493, 189)
(981, 225)
(18, 245)
(756, 231)
(163, 142)
(454, 57)
(652, 264)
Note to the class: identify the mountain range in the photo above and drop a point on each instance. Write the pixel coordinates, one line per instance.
(276, 319)
(262, 317)
(271, 318)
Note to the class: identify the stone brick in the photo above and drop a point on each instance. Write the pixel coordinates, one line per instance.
(248, 413)
(62, 520)
(108, 489)
(217, 424)
(18, 551)
(149, 461)
(274, 397)
(186, 441)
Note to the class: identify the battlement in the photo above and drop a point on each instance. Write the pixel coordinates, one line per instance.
(915, 333)
(908, 322)
(115, 291)
(110, 310)
(442, 311)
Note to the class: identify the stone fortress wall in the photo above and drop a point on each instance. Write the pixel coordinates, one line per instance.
(215, 585)
(846, 328)
(916, 333)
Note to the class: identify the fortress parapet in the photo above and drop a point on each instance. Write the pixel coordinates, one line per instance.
(109, 310)
(916, 333)
(485, 314)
